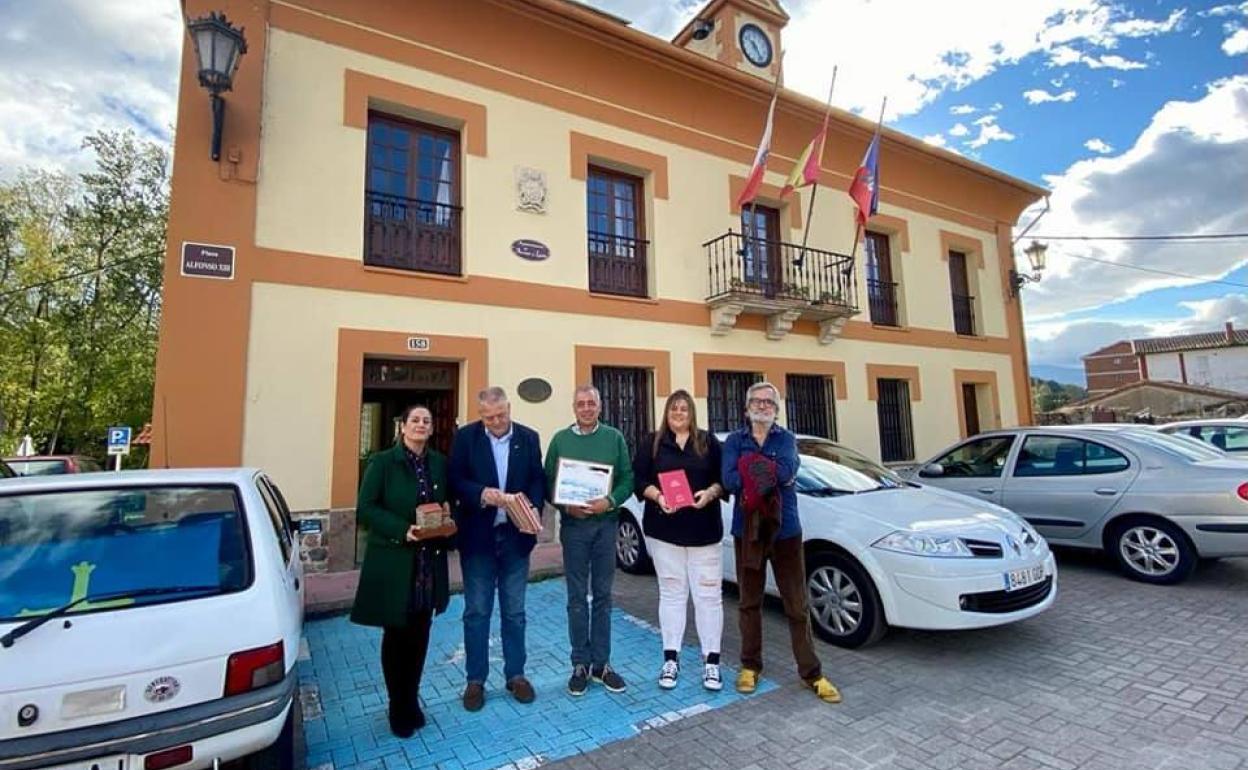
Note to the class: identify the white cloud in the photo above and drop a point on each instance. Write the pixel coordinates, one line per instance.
(1148, 28)
(1063, 343)
(989, 131)
(997, 107)
(1223, 10)
(1117, 82)
(1115, 62)
(1040, 96)
(1098, 145)
(1236, 44)
(963, 109)
(1184, 174)
(944, 47)
(959, 129)
(73, 67)
(936, 140)
(1065, 56)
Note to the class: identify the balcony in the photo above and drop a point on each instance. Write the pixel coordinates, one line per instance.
(882, 299)
(411, 234)
(617, 265)
(963, 314)
(759, 277)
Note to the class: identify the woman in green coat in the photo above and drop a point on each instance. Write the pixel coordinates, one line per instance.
(404, 579)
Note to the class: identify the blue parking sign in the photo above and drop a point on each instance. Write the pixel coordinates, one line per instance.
(119, 440)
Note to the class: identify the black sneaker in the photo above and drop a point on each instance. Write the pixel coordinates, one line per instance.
(579, 682)
(607, 677)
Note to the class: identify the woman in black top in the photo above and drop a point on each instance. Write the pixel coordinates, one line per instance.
(684, 542)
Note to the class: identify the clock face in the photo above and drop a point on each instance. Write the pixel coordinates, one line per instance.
(756, 45)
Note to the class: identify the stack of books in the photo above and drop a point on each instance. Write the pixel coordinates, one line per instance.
(522, 513)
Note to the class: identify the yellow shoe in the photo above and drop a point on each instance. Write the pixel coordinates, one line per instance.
(826, 691)
(747, 681)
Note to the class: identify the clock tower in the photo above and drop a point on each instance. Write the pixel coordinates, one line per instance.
(743, 34)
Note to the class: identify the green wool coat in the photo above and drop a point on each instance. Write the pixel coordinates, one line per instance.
(387, 506)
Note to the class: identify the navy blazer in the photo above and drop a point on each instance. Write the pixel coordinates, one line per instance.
(472, 470)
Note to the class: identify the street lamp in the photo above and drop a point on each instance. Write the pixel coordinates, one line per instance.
(1035, 255)
(218, 47)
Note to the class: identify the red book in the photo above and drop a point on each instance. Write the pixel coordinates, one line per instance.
(675, 487)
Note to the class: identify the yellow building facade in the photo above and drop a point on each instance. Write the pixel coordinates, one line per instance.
(423, 198)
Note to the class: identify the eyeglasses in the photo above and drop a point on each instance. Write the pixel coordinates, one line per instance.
(759, 402)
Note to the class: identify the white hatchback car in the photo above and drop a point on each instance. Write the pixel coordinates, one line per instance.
(148, 620)
(882, 551)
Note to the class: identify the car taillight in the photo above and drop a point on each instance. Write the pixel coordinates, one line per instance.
(1243, 491)
(168, 758)
(253, 669)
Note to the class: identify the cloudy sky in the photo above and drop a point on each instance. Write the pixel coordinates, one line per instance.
(1134, 114)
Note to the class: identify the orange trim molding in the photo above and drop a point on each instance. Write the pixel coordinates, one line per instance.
(768, 194)
(1015, 336)
(972, 247)
(587, 357)
(586, 148)
(353, 346)
(362, 92)
(894, 226)
(299, 269)
(579, 80)
(876, 372)
(976, 377)
(773, 370)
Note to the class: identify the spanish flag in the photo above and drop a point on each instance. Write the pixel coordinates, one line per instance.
(806, 170)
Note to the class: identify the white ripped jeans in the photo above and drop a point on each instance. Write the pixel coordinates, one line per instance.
(683, 571)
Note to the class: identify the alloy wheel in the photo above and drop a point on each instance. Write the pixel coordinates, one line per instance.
(1149, 550)
(627, 543)
(835, 601)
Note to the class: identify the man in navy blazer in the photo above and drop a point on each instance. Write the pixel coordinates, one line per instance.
(491, 461)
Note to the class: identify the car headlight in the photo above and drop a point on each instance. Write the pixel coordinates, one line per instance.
(924, 545)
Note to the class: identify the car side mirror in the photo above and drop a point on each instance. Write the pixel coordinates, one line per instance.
(932, 471)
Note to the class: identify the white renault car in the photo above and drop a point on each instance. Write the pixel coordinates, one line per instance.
(148, 620)
(881, 551)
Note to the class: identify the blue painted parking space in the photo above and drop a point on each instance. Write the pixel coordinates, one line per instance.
(345, 708)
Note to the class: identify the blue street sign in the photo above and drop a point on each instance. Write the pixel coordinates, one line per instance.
(119, 440)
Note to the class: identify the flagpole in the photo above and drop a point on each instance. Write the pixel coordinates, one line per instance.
(814, 187)
(753, 236)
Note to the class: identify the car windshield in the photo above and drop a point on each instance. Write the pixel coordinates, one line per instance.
(1181, 446)
(38, 467)
(829, 468)
(57, 547)
(5, 471)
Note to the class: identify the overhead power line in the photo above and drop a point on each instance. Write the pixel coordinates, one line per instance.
(1185, 237)
(72, 276)
(1158, 271)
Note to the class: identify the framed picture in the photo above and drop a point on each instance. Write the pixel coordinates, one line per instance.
(577, 481)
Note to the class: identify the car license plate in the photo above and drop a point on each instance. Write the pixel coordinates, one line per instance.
(118, 762)
(1021, 578)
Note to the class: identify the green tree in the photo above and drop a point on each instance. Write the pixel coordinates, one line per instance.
(80, 290)
(1047, 395)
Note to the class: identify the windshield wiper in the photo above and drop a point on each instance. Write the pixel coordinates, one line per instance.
(8, 639)
(877, 489)
(826, 492)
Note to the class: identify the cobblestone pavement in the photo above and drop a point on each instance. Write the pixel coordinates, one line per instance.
(1116, 675)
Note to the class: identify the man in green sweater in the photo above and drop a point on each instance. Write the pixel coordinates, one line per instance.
(588, 536)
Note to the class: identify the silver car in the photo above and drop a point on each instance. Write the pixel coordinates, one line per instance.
(1156, 503)
(1229, 435)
